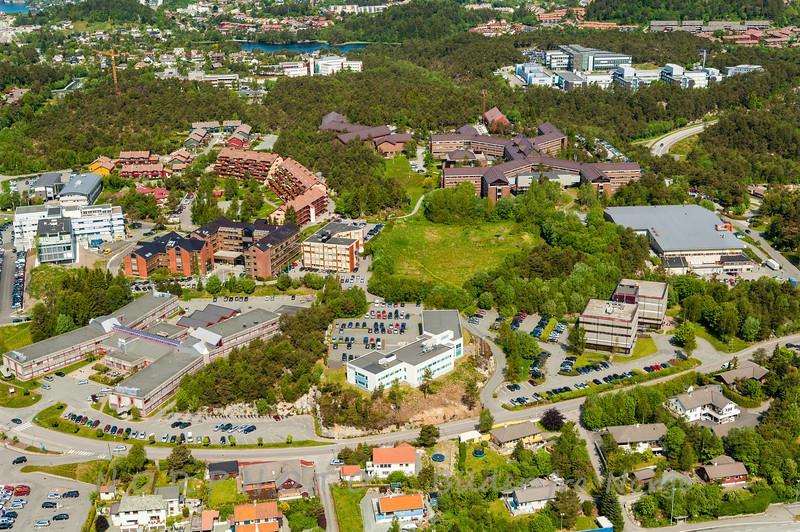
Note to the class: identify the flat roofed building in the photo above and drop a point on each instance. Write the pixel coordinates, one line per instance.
(610, 326)
(584, 59)
(640, 437)
(679, 233)
(55, 242)
(335, 247)
(437, 350)
(651, 296)
(706, 403)
(48, 355)
(47, 185)
(82, 190)
(90, 224)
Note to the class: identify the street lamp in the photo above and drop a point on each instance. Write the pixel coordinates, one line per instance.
(562, 520)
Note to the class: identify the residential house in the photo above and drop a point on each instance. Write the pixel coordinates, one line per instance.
(494, 119)
(506, 438)
(196, 138)
(351, 473)
(208, 519)
(409, 507)
(291, 479)
(135, 513)
(532, 497)
(256, 514)
(640, 437)
(173, 498)
(746, 371)
(706, 403)
(107, 492)
(387, 460)
(724, 470)
(160, 194)
(102, 165)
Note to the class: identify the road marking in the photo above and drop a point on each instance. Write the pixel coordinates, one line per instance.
(80, 453)
(24, 426)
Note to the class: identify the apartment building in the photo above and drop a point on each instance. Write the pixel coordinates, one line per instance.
(91, 225)
(136, 157)
(705, 403)
(172, 252)
(262, 248)
(610, 326)
(43, 357)
(144, 171)
(436, 351)
(243, 164)
(55, 241)
(387, 460)
(335, 247)
(651, 296)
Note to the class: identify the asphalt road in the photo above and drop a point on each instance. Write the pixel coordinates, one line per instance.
(7, 277)
(787, 267)
(662, 145)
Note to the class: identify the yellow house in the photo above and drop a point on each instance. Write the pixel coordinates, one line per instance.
(102, 165)
(506, 438)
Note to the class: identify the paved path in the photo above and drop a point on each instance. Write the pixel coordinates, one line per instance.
(787, 267)
(662, 145)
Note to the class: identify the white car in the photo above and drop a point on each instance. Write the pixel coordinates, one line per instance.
(120, 449)
(142, 436)
(80, 383)
(165, 437)
(216, 428)
(46, 386)
(41, 523)
(53, 495)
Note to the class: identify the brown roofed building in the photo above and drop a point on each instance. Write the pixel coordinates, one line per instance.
(307, 206)
(171, 251)
(136, 157)
(747, 370)
(494, 119)
(608, 177)
(243, 164)
(725, 470)
(145, 171)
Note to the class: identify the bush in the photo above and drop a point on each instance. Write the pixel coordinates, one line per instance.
(587, 507)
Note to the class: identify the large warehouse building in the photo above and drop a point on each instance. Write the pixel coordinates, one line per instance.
(687, 238)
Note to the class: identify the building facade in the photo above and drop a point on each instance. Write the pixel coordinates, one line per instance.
(706, 403)
(610, 326)
(335, 247)
(651, 296)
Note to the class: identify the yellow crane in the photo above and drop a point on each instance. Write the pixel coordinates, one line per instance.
(113, 55)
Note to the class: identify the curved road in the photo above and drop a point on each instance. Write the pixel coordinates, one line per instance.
(662, 145)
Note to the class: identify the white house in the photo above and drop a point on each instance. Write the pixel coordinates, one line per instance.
(706, 403)
(137, 513)
(387, 460)
(639, 438)
(172, 498)
(532, 497)
(436, 350)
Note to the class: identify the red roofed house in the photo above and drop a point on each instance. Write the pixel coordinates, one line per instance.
(386, 460)
(238, 142)
(306, 206)
(351, 473)
(410, 507)
(251, 517)
(493, 118)
(207, 520)
(160, 194)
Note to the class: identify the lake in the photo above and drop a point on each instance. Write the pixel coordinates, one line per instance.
(13, 8)
(300, 47)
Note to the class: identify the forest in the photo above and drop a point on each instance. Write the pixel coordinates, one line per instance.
(70, 298)
(282, 368)
(117, 11)
(783, 209)
(642, 11)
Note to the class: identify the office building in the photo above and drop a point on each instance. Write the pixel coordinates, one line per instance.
(81, 190)
(687, 238)
(261, 248)
(685, 79)
(172, 252)
(651, 296)
(91, 225)
(47, 186)
(331, 64)
(610, 326)
(742, 69)
(534, 74)
(584, 59)
(39, 358)
(634, 78)
(335, 248)
(225, 81)
(435, 351)
(55, 241)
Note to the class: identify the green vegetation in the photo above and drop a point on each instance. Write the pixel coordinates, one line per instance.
(100, 11)
(643, 12)
(413, 183)
(15, 397)
(645, 346)
(15, 336)
(87, 472)
(682, 148)
(348, 510)
(223, 493)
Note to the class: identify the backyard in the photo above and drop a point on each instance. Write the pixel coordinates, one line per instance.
(348, 510)
(447, 253)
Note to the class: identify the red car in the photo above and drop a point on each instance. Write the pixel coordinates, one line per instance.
(22, 490)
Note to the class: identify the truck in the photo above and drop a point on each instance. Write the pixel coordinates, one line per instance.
(772, 264)
(95, 242)
(792, 281)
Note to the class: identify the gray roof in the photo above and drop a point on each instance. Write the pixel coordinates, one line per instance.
(47, 179)
(54, 344)
(704, 395)
(412, 354)
(208, 316)
(82, 184)
(141, 306)
(538, 489)
(133, 349)
(242, 321)
(53, 226)
(154, 375)
(169, 493)
(515, 432)
(165, 329)
(676, 227)
(724, 466)
(328, 234)
(131, 503)
(29, 209)
(438, 321)
(627, 434)
(746, 371)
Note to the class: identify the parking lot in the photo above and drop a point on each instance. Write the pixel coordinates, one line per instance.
(41, 490)
(384, 327)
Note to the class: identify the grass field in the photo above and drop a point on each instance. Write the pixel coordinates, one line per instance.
(348, 510)
(447, 253)
(17, 399)
(683, 147)
(589, 357)
(413, 183)
(645, 346)
(84, 471)
(733, 345)
(16, 336)
(221, 492)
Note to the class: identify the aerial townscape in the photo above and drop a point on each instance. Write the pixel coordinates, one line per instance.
(276, 265)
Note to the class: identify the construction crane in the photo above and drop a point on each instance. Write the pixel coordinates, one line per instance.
(113, 55)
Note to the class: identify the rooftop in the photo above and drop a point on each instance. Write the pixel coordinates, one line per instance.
(702, 396)
(141, 503)
(400, 503)
(251, 318)
(515, 432)
(676, 227)
(599, 308)
(403, 453)
(627, 434)
(82, 185)
(538, 489)
(438, 321)
(647, 289)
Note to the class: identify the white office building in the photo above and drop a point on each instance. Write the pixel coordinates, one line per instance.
(437, 350)
(685, 79)
(634, 78)
(331, 64)
(534, 74)
(101, 223)
(82, 190)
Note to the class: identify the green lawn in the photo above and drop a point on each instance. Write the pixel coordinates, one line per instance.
(412, 182)
(734, 345)
(347, 501)
(448, 253)
(491, 461)
(223, 492)
(588, 358)
(16, 336)
(683, 147)
(17, 399)
(645, 346)
(88, 472)
(585, 523)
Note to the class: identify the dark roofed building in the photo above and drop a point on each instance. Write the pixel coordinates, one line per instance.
(223, 470)
(382, 138)
(748, 370)
(725, 470)
(176, 253)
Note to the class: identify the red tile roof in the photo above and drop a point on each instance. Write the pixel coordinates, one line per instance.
(402, 454)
